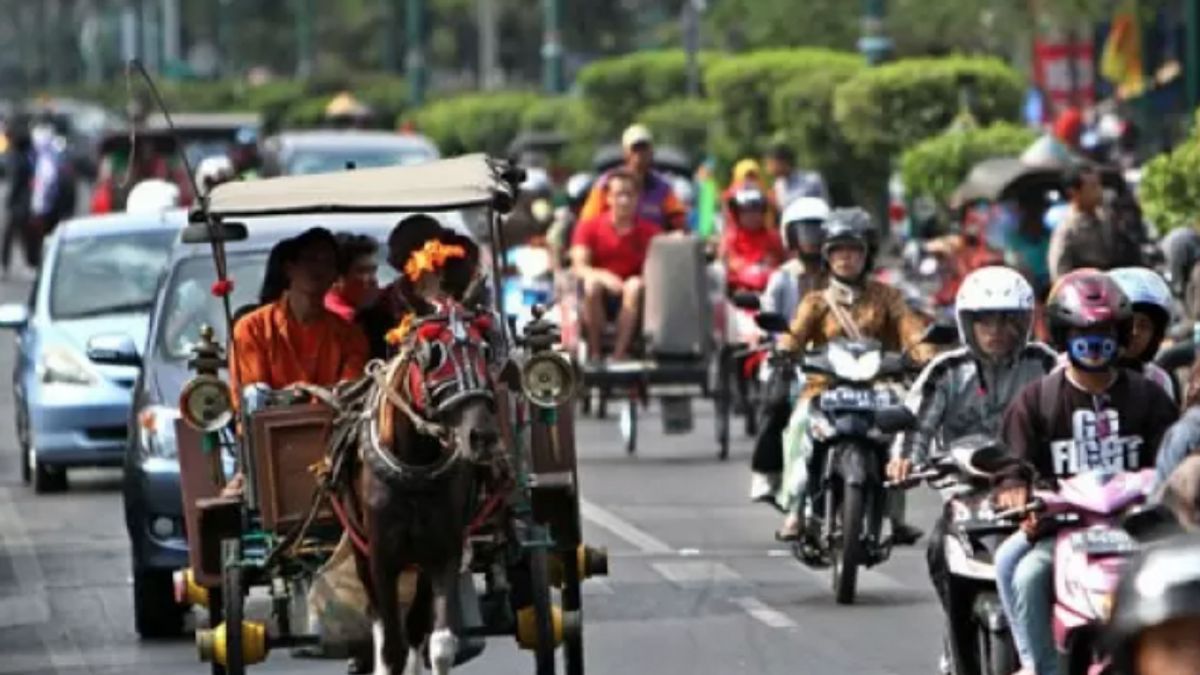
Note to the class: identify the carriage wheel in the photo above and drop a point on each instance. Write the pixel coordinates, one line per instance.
(216, 615)
(722, 403)
(543, 608)
(629, 425)
(232, 588)
(572, 601)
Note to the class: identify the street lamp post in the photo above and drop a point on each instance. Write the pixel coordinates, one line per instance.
(553, 78)
(692, 10)
(305, 65)
(874, 44)
(415, 68)
(1192, 58)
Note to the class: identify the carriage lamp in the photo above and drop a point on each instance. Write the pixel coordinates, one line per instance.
(205, 403)
(548, 380)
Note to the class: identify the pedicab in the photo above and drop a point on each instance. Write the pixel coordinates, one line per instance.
(680, 353)
(288, 533)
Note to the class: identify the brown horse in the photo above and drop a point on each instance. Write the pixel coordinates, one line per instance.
(430, 454)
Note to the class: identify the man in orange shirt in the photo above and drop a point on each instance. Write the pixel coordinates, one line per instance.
(657, 202)
(296, 339)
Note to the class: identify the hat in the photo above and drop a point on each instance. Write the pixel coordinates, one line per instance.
(634, 135)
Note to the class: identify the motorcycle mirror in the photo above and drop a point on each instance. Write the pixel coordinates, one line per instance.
(938, 333)
(1150, 521)
(771, 322)
(747, 300)
(895, 419)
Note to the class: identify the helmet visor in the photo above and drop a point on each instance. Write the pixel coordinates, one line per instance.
(996, 334)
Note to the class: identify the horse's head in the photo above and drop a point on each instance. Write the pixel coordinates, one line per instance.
(447, 381)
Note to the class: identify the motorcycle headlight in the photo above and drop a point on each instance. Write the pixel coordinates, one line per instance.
(156, 430)
(60, 365)
(862, 368)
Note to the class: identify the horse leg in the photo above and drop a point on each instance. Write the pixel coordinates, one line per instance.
(391, 645)
(443, 645)
(417, 621)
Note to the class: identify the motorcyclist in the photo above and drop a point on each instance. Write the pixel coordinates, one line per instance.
(750, 249)
(803, 230)
(1152, 301)
(1155, 623)
(853, 306)
(964, 391)
(1090, 415)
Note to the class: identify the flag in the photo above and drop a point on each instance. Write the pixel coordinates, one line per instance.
(1121, 62)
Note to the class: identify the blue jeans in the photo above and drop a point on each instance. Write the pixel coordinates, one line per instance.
(1032, 596)
(1008, 556)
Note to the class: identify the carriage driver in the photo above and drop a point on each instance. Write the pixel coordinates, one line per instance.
(608, 252)
(295, 339)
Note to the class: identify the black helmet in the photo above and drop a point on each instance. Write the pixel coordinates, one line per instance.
(748, 198)
(849, 227)
(1162, 585)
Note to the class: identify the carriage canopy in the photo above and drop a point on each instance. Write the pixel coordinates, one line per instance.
(444, 185)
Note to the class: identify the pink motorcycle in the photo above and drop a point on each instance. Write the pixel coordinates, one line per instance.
(1094, 530)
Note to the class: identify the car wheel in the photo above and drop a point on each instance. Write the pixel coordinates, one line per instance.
(155, 612)
(46, 478)
(24, 447)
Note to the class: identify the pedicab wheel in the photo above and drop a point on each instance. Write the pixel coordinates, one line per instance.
(233, 590)
(629, 425)
(543, 609)
(996, 652)
(572, 601)
(722, 404)
(845, 555)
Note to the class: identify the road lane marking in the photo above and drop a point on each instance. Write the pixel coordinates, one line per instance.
(63, 653)
(764, 613)
(630, 533)
(24, 610)
(698, 573)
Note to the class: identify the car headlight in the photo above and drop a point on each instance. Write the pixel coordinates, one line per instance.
(60, 365)
(156, 429)
(855, 368)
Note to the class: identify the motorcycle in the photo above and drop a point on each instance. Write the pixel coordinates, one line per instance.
(851, 425)
(978, 638)
(1098, 520)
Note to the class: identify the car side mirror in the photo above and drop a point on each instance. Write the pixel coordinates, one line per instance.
(747, 300)
(114, 350)
(14, 316)
(771, 322)
(894, 419)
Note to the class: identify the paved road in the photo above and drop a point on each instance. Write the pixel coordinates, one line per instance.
(697, 585)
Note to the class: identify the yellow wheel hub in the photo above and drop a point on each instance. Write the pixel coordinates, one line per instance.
(527, 632)
(212, 644)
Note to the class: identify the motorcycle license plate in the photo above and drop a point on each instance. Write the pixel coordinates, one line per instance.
(1105, 542)
(848, 399)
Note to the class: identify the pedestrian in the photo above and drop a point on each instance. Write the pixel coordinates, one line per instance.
(20, 190)
(792, 183)
(1089, 235)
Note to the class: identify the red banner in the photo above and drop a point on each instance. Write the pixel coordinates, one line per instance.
(1065, 71)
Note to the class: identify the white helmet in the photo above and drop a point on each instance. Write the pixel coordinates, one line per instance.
(803, 222)
(1149, 294)
(152, 196)
(806, 209)
(994, 290)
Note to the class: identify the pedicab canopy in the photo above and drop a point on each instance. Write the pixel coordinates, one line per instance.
(443, 185)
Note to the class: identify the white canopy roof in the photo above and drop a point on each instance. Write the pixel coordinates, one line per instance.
(443, 185)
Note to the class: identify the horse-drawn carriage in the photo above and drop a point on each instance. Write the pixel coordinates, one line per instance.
(445, 478)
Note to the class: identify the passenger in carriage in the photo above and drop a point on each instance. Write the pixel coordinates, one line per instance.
(294, 338)
(608, 252)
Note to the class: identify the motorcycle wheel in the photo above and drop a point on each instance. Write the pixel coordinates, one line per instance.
(849, 545)
(996, 652)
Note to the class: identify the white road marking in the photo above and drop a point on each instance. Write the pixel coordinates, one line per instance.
(701, 573)
(763, 613)
(630, 533)
(24, 610)
(63, 653)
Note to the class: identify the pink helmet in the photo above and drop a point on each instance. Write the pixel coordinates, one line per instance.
(1087, 298)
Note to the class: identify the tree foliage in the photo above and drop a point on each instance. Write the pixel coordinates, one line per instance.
(1169, 191)
(937, 166)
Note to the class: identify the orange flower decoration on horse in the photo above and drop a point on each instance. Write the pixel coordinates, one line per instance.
(431, 258)
(396, 335)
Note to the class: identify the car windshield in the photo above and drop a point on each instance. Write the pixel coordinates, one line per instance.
(108, 273)
(190, 303)
(305, 162)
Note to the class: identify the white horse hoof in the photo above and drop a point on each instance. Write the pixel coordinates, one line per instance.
(442, 648)
(381, 668)
(415, 664)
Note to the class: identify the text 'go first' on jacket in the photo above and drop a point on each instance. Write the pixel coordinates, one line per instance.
(958, 394)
